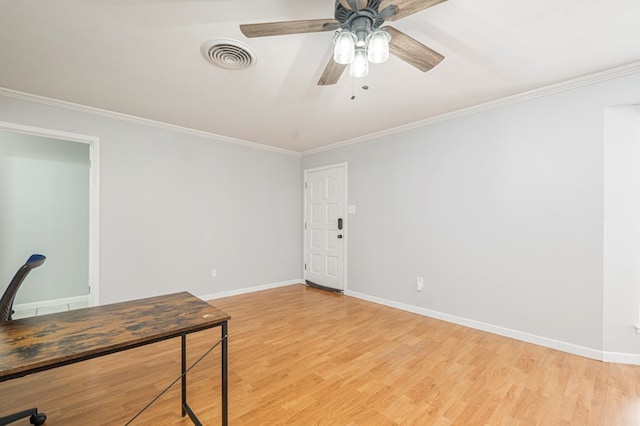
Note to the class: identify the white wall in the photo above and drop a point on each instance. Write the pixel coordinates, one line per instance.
(44, 208)
(622, 232)
(174, 205)
(501, 211)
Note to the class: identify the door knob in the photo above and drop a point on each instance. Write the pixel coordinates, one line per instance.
(339, 236)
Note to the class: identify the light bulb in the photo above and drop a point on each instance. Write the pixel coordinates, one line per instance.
(344, 51)
(378, 51)
(360, 66)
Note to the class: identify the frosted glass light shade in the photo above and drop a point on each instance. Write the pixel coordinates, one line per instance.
(360, 66)
(344, 51)
(378, 47)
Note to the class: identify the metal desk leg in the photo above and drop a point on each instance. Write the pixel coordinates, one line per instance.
(184, 375)
(185, 407)
(225, 396)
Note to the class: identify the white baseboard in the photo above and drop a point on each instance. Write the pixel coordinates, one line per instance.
(621, 358)
(253, 289)
(501, 331)
(613, 357)
(52, 302)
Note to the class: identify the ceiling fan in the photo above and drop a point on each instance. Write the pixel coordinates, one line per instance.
(359, 36)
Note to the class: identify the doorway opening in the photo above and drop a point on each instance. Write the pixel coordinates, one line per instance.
(49, 181)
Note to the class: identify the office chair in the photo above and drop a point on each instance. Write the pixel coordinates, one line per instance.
(6, 312)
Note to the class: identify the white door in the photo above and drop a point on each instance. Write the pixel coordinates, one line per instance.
(325, 226)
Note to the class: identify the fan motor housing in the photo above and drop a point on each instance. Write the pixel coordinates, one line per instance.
(344, 15)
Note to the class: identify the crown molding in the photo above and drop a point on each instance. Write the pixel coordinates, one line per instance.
(10, 93)
(609, 74)
(587, 80)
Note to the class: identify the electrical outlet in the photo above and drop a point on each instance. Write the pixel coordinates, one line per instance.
(420, 284)
(214, 273)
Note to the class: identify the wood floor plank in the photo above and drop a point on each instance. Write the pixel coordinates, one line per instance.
(302, 356)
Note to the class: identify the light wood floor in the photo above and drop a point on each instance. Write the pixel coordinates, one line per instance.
(300, 356)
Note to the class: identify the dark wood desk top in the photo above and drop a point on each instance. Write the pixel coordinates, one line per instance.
(34, 344)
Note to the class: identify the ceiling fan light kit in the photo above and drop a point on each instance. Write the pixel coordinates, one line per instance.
(345, 47)
(359, 42)
(359, 68)
(359, 36)
(359, 48)
(378, 51)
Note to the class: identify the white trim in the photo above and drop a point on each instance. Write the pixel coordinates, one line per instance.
(501, 331)
(253, 289)
(345, 219)
(612, 357)
(94, 223)
(139, 120)
(621, 358)
(498, 103)
(330, 166)
(345, 233)
(47, 133)
(53, 302)
(597, 77)
(94, 194)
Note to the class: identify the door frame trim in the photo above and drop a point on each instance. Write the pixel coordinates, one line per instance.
(345, 234)
(94, 194)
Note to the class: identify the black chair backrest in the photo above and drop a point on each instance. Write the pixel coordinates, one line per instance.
(6, 303)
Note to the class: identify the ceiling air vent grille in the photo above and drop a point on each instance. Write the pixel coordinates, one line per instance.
(229, 54)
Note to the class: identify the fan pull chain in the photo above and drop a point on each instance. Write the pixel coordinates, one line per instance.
(365, 86)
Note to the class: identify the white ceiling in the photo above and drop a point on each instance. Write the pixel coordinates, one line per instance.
(143, 58)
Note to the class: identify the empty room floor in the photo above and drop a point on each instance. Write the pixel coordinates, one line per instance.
(44, 310)
(301, 356)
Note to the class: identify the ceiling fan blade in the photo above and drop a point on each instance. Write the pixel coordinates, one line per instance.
(331, 73)
(387, 12)
(412, 51)
(408, 7)
(289, 27)
(361, 4)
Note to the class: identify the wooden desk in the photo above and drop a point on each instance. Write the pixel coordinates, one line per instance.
(36, 344)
